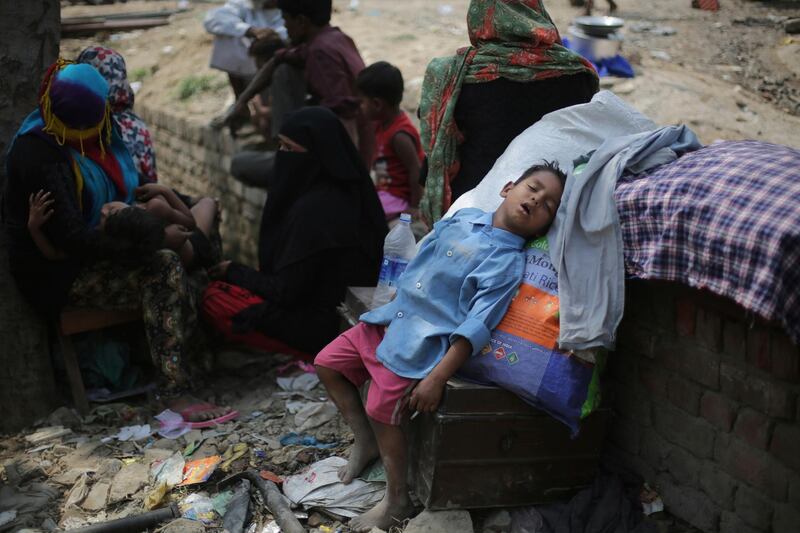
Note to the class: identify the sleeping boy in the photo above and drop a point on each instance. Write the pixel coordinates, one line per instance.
(450, 298)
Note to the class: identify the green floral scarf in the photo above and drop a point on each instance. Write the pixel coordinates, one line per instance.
(512, 39)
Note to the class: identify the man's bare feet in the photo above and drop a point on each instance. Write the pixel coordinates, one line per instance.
(384, 515)
(365, 450)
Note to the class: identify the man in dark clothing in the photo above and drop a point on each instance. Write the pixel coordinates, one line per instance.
(326, 60)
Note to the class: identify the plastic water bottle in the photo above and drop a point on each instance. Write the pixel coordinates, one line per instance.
(398, 249)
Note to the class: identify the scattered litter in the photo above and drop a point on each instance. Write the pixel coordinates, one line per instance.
(293, 439)
(271, 527)
(297, 363)
(319, 486)
(302, 382)
(651, 501)
(651, 28)
(134, 433)
(78, 492)
(312, 414)
(136, 86)
(192, 447)
(374, 472)
(155, 496)
(445, 10)
(41, 448)
(169, 471)
(200, 470)
(47, 434)
(167, 49)
(271, 476)
(198, 506)
(660, 54)
(236, 512)
(127, 482)
(7, 517)
(221, 501)
(256, 414)
(232, 454)
(172, 425)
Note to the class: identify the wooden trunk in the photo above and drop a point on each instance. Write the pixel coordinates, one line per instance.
(485, 447)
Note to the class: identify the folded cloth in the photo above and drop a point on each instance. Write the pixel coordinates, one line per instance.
(725, 218)
(586, 231)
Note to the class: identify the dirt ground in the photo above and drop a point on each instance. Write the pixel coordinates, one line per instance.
(732, 74)
(729, 75)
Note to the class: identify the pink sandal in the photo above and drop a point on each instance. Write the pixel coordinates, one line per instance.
(203, 408)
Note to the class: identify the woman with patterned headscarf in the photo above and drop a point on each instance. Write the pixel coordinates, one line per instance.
(70, 147)
(474, 103)
(111, 65)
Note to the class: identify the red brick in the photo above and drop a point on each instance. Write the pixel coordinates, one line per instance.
(731, 523)
(756, 467)
(758, 347)
(691, 361)
(654, 449)
(785, 445)
(734, 343)
(678, 427)
(753, 427)
(653, 377)
(785, 357)
(786, 519)
(768, 396)
(753, 508)
(626, 435)
(718, 409)
(684, 394)
(683, 466)
(688, 504)
(685, 314)
(719, 486)
(708, 329)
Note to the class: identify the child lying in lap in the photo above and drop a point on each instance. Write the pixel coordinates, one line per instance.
(159, 219)
(450, 298)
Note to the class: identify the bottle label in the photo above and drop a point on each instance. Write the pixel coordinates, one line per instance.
(391, 269)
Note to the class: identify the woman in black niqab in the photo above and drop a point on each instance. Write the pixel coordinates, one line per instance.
(322, 230)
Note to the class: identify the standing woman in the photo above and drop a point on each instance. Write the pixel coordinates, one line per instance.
(322, 230)
(476, 102)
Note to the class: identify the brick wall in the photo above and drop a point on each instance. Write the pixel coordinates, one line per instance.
(707, 411)
(194, 159)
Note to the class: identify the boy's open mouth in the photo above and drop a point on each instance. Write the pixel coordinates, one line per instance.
(526, 209)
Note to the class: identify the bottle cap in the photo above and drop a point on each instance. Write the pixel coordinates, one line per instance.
(405, 217)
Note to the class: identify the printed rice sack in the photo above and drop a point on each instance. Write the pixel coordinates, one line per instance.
(523, 357)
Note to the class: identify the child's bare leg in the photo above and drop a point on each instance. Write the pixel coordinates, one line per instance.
(345, 395)
(396, 505)
(204, 213)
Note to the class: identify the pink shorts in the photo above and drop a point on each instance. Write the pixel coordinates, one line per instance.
(352, 354)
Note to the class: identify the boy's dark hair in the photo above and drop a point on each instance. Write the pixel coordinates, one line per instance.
(381, 80)
(317, 11)
(132, 235)
(546, 166)
(264, 49)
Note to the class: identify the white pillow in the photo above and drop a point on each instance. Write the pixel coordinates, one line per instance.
(563, 136)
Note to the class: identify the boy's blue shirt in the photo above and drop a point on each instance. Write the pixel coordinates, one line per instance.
(459, 285)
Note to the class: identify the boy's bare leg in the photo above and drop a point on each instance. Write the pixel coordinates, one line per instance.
(345, 395)
(204, 213)
(396, 505)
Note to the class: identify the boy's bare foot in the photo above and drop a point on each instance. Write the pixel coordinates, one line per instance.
(365, 450)
(384, 515)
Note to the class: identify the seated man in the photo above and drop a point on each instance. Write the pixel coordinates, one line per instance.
(322, 57)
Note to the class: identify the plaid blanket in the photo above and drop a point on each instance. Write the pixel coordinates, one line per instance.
(724, 218)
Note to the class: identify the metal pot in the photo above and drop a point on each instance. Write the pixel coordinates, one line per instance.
(599, 26)
(595, 48)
